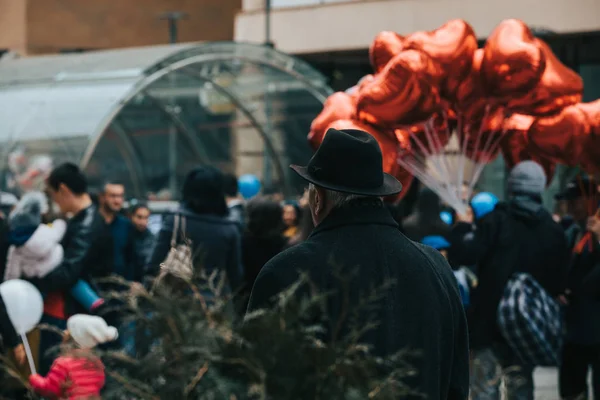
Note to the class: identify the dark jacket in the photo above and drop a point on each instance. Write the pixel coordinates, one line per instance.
(425, 220)
(422, 311)
(256, 252)
(128, 263)
(583, 311)
(216, 245)
(10, 338)
(4, 246)
(519, 236)
(88, 254)
(237, 214)
(143, 242)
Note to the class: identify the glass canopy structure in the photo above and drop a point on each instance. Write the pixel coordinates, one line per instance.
(146, 116)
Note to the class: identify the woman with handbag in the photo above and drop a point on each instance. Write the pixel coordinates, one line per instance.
(199, 233)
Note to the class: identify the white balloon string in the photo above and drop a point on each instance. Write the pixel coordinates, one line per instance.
(28, 352)
(463, 158)
(431, 136)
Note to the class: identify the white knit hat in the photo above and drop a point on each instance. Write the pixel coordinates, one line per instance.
(88, 331)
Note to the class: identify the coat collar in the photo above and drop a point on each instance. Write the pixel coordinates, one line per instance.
(357, 212)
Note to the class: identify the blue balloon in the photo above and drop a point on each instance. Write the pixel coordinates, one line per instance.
(483, 203)
(446, 216)
(248, 186)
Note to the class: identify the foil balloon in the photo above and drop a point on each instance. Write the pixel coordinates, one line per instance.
(399, 94)
(429, 137)
(516, 147)
(385, 46)
(561, 137)
(590, 140)
(451, 46)
(339, 105)
(354, 90)
(480, 135)
(470, 89)
(558, 87)
(512, 62)
(406, 178)
(389, 146)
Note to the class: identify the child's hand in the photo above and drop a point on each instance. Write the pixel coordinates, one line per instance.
(20, 355)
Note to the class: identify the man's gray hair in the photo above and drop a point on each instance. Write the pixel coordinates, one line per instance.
(338, 199)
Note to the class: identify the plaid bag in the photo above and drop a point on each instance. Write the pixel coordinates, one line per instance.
(530, 320)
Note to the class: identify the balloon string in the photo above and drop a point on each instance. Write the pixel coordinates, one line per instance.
(28, 353)
(428, 154)
(434, 140)
(461, 161)
(441, 159)
(490, 147)
(420, 172)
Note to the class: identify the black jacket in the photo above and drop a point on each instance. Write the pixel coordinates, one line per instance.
(9, 337)
(143, 242)
(425, 220)
(216, 245)
(422, 311)
(583, 311)
(516, 237)
(256, 252)
(88, 253)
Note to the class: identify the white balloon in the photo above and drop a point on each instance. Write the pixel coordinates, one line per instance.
(24, 304)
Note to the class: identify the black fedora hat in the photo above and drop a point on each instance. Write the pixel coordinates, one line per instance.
(349, 161)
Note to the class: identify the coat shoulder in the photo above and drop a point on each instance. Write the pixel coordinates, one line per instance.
(289, 260)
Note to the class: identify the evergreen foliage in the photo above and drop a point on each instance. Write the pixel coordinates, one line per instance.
(191, 344)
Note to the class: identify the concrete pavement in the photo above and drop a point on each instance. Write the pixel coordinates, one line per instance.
(546, 384)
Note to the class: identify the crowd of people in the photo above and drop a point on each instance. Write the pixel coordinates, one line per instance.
(456, 266)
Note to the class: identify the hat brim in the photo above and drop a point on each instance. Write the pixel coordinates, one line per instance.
(390, 187)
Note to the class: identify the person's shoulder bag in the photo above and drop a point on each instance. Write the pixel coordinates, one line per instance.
(178, 264)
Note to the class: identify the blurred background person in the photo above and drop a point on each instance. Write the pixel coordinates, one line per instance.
(581, 350)
(235, 202)
(215, 240)
(143, 239)
(425, 220)
(305, 225)
(263, 238)
(126, 261)
(88, 253)
(516, 236)
(291, 217)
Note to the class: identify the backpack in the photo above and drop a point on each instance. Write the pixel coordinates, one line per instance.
(530, 321)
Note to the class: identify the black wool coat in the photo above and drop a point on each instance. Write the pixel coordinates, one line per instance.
(422, 311)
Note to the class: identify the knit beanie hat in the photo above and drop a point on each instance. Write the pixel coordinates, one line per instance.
(88, 331)
(528, 178)
(28, 211)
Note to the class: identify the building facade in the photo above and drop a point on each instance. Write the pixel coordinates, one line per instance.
(31, 27)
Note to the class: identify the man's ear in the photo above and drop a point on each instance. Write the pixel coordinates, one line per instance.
(320, 200)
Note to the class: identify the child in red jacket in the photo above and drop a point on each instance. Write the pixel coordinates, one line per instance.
(78, 374)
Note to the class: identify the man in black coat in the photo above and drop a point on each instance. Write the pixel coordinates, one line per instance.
(422, 311)
(517, 236)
